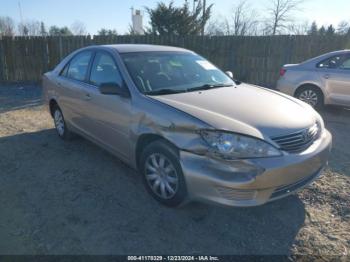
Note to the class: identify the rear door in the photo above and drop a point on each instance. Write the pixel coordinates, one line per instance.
(335, 73)
(70, 88)
(108, 115)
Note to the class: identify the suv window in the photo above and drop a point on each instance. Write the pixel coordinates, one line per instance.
(332, 62)
(104, 70)
(78, 66)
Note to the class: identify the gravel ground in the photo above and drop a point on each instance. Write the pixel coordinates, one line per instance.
(74, 198)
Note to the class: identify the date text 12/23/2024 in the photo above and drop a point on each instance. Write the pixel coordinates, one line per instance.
(173, 258)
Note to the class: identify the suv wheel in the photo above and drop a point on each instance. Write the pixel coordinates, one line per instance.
(162, 174)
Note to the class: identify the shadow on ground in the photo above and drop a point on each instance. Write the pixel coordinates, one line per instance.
(74, 198)
(337, 121)
(19, 96)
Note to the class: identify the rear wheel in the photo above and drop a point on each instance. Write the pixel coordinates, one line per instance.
(162, 174)
(60, 125)
(311, 95)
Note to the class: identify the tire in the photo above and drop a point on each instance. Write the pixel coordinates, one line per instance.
(311, 95)
(60, 124)
(163, 179)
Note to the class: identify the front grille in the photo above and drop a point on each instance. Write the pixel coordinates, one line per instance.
(237, 195)
(286, 189)
(299, 141)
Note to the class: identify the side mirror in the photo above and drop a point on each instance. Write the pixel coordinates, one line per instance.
(229, 73)
(113, 89)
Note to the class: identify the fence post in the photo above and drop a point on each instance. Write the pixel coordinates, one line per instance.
(60, 47)
(2, 64)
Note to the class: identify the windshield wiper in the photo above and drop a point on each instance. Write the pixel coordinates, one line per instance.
(207, 87)
(165, 91)
(168, 91)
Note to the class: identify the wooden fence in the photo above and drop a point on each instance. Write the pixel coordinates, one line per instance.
(254, 59)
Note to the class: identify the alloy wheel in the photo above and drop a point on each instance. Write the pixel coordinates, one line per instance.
(309, 96)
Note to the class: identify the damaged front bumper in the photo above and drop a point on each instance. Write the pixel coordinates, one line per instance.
(253, 182)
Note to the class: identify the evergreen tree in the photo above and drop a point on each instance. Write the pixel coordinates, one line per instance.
(322, 30)
(313, 29)
(330, 31)
(170, 20)
(57, 31)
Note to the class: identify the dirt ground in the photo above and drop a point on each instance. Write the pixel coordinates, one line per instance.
(74, 198)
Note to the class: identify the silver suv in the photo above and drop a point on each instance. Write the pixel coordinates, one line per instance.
(319, 81)
(191, 131)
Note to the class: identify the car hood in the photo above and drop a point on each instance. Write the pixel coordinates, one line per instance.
(244, 109)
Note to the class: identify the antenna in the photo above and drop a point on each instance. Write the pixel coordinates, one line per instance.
(20, 11)
(204, 10)
(132, 11)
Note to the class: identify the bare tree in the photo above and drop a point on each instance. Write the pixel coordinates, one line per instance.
(280, 12)
(78, 28)
(7, 26)
(23, 29)
(343, 28)
(218, 26)
(245, 20)
(299, 29)
(31, 27)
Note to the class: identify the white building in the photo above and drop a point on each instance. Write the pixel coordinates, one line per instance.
(137, 21)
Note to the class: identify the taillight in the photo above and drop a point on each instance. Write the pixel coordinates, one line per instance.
(282, 71)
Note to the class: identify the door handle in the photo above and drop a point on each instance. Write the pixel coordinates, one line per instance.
(327, 76)
(87, 97)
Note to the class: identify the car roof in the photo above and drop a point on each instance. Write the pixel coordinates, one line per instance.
(130, 48)
(326, 55)
(339, 52)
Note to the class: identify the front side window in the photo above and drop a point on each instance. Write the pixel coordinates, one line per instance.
(65, 70)
(173, 72)
(105, 71)
(79, 65)
(332, 62)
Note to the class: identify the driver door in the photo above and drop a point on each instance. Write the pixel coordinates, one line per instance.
(108, 115)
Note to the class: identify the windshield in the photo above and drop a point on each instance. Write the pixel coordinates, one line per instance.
(157, 73)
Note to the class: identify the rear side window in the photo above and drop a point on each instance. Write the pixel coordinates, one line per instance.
(345, 64)
(332, 62)
(104, 70)
(78, 66)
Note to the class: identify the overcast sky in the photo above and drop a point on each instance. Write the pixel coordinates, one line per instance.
(116, 13)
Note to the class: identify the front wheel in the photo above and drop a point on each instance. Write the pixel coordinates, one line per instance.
(162, 174)
(311, 95)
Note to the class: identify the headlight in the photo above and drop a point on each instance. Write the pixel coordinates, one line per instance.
(231, 146)
(320, 125)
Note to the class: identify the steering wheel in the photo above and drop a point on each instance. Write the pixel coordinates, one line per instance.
(164, 74)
